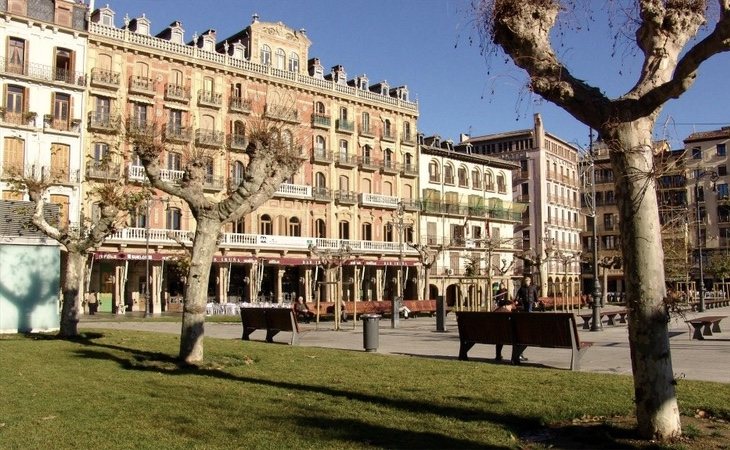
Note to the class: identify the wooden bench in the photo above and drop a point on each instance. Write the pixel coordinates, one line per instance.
(712, 303)
(273, 320)
(704, 326)
(610, 315)
(547, 330)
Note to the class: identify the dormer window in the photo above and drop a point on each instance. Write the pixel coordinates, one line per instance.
(177, 36)
(239, 50)
(107, 19)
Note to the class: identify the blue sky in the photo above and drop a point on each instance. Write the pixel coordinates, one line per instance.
(431, 46)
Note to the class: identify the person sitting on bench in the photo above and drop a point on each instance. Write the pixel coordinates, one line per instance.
(302, 311)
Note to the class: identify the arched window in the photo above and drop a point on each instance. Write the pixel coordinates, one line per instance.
(319, 108)
(367, 154)
(408, 161)
(280, 59)
(434, 172)
(448, 174)
(366, 185)
(265, 55)
(501, 184)
(367, 232)
(388, 158)
(343, 148)
(463, 179)
(265, 226)
(295, 228)
(344, 183)
(476, 179)
(488, 181)
(293, 62)
(320, 229)
(388, 188)
(344, 229)
(320, 180)
(174, 219)
(238, 172)
(207, 122)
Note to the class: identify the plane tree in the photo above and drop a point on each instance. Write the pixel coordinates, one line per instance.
(672, 43)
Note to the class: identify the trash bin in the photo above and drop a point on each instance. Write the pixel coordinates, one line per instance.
(370, 331)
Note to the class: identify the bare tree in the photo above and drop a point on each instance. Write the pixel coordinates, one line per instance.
(113, 200)
(522, 29)
(272, 158)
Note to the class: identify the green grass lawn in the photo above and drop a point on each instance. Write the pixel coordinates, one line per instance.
(121, 389)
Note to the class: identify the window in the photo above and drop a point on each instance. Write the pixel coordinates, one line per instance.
(174, 121)
(15, 100)
(13, 156)
(320, 180)
(60, 154)
(139, 114)
(489, 181)
(239, 226)
(365, 125)
(265, 225)
(721, 150)
(280, 60)
(64, 65)
(367, 232)
(319, 108)
(388, 233)
(344, 229)
(387, 131)
(266, 55)
(463, 179)
(434, 175)
(722, 170)
(293, 62)
(295, 228)
(722, 191)
(61, 111)
(138, 217)
(501, 184)
(696, 153)
(448, 174)
(238, 172)
(174, 161)
(343, 114)
(476, 179)
(320, 229)
(366, 154)
(388, 158)
(343, 148)
(62, 201)
(407, 131)
(102, 110)
(408, 161)
(608, 222)
(16, 55)
(319, 145)
(174, 219)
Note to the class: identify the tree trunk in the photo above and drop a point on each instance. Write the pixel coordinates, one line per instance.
(632, 160)
(196, 293)
(71, 286)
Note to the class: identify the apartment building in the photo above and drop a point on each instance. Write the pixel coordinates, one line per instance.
(358, 177)
(43, 83)
(547, 180)
(467, 219)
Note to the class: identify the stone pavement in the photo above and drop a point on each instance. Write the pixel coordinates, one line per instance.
(707, 360)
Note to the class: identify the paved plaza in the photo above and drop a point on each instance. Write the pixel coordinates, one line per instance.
(707, 360)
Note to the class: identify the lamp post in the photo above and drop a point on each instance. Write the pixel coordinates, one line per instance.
(713, 177)
(398, 224)
(148, 300)
(596, 322)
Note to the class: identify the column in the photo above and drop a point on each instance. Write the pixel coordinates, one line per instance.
(379, 284)
(119, 288)
(278, 294)
(222, 286)
(155, 289)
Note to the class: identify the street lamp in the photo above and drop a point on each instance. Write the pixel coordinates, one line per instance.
(400, 225)
(148, 300)
(713, 177)
(596, 322)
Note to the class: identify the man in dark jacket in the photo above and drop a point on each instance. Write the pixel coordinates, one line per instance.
(527, 300)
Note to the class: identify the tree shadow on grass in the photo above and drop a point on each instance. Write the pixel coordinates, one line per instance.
(162, 363)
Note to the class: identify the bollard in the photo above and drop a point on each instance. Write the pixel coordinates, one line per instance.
(440, 313)
(370, 332)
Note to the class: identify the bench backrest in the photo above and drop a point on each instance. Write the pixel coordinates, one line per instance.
(484, 327)
(253, 318)
(282, 319)
(556, 330)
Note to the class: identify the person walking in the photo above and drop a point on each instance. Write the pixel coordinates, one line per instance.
(527, 298)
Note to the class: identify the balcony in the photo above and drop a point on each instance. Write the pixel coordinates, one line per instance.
(389, 167)
(237, 142)
(104, 78)
(321, 194)
(345, 126)
(22, 118)
(379, 200)
(177, 93)
(139, 128)
(103, 122)
(366, 131)
(142, 86)
(99, 170)
(321, 121)
(322, 156)
(239, 105)
(409, 171)
(210, 99)
(51, 123)
(345, 160)
(346, 197)
(368, 164)
(42, 72)
(177, 134)
(388, 136)
(61, 175)
(407, 139)
(209, 138)
(136, 173)
(213, 183)
(411, 205)
(290, 190)
(283, 113)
